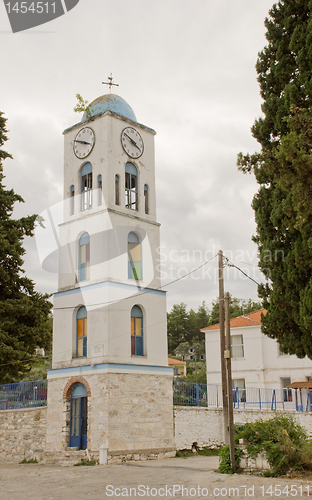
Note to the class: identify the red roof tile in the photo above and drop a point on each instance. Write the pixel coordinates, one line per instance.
(250, 319)
(172, 361)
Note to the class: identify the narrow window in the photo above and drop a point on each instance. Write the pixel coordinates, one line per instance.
(84, 257)
(134, 257)
(131, 186)
(99, 190)
(237, 346)
(86, 186)
(117, 190)
(72, 198)
(136, 331)
(146, 198)
(239, 390)
(81, 344)
(287, 393)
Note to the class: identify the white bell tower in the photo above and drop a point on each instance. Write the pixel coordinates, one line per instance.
(110, 384)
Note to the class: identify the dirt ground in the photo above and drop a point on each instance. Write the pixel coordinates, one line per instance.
(193, 477)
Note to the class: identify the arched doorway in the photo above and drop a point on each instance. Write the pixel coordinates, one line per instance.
(78, 417)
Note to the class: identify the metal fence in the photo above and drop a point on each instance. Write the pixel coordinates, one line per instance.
(33, 394)
(187, 394)
(23, 395)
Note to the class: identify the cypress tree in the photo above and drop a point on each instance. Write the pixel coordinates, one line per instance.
(24, 313)
(283, 170)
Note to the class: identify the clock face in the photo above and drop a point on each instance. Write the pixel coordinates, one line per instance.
(84, 142)
(132, 142)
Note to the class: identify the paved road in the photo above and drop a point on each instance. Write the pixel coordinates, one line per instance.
(193, 477)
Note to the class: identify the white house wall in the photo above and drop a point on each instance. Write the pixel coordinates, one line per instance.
(262, 366)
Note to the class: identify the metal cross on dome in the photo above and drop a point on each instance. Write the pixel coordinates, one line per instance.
(110, 82)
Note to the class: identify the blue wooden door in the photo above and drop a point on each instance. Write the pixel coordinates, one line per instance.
(78, 418)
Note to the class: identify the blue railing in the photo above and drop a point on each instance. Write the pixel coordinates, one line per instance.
(34, 393)
(188, 394)
(23, 395)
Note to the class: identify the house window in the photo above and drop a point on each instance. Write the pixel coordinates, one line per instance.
(146, 198)
(99, 189)
(86, 186)
(239, 389)
(134, 257)
(81, 343)
(71, 202)
(237, 346)
(117, 202)
(136, 331)
(131, 186)
(287, 393)
(84, 257)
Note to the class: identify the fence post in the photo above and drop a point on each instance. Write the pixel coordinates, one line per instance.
(217, 397)
(273, 400)
(260, 398)
(197, 394)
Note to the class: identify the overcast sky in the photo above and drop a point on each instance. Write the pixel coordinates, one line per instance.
(187, 69)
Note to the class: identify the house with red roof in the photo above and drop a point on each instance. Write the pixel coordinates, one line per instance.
(179, 367)
(256, 359)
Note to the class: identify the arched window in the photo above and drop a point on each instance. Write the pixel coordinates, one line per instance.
(117, 202)
(86, 186)
(72, 198)
(84, 257)
(146, 198)
(131, 186)
(99, 189)
(81, 344)
(134, 257)
(136, 331)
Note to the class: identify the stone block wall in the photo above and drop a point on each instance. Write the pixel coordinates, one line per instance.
(127, 413)
(22, 434)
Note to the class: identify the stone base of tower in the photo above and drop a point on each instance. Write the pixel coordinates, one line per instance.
(129, 414)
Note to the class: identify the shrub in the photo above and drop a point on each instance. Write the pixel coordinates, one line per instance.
(285, 442)
(225, 460)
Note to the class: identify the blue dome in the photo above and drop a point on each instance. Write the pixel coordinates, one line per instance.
(110, 102)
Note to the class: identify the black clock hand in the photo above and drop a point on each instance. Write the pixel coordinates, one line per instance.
(83, 142)
(133, 142)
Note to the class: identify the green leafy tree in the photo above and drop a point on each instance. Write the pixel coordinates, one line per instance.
(24, 313)
(177, 326)
(283, 171)
(237, 308)
(182, 350)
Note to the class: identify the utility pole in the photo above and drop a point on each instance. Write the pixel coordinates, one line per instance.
(227, 356)
(222, 348)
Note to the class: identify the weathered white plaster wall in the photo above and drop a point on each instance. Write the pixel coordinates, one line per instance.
(205, 425)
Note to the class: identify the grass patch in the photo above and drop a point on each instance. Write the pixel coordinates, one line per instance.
(209, 452)
(30, 461)
(206, 452)
(84, 461)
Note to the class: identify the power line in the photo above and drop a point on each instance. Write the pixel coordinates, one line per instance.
(230, 264)
(142, 293)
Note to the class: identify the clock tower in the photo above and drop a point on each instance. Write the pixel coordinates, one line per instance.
(110, 385)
